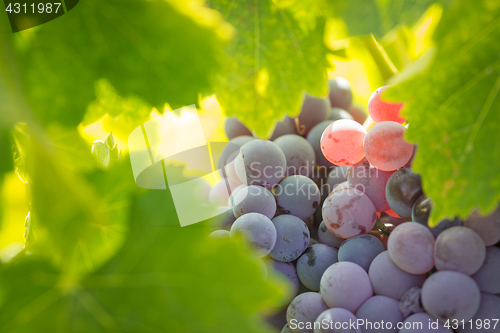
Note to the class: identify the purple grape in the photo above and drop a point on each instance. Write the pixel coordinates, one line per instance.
(370, 181)
(326, 237)
(348, 213)
(231, 148)
(337, 114)
(298, 195)
(300, 156)
(219, 193)
(260, 162)
(314, 138)
(488, 276)
(292, 238)
(254, 199)
(314, 110)
(389, 280)
(419, 323)
(336, 320)
(345, 185)
(318, 214)
(319, 174)
(309, 221)
(303, 311)
(361, 250)
(489, 309)
(379, 309)
(410, 302)
(284, 127)
(340, 93)
(450, 295)
(224, 220)
(336, 176)
(444, 225)
(403, 189)
(358, 114)
(488, 227)
(230, 201)
(313, 241)
(258, 229)
(219, 234)
(421, 211)
(388, 219)
(459, 249)
(345, 285)
(234, 128)
(229, 171)
(288, 270)
(411, 247)
(313, 263)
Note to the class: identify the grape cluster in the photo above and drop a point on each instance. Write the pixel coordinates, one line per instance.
(338, 210)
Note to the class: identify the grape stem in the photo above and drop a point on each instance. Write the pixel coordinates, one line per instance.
(300, 128)
(383, 229)
(382, 60)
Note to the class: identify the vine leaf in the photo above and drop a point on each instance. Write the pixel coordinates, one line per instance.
(379, 17)
(162, 51)
(278, 53)
(453, 112)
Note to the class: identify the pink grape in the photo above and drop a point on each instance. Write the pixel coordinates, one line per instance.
(381, 110)
(385, 147)
(348, 212)
(411, 248)
(342, 142)
(371, 181)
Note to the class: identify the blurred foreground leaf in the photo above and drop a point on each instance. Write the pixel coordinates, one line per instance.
(79, 219)
(161, 51)
(164, 279)
(453, 112)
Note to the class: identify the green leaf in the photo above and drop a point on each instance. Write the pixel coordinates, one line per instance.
(380, 16)
(164, 279)
(271, 62)
(9, 97)
(106, 152)
(133, 110)
(453, 112)
(79, 214)
(160, 50)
